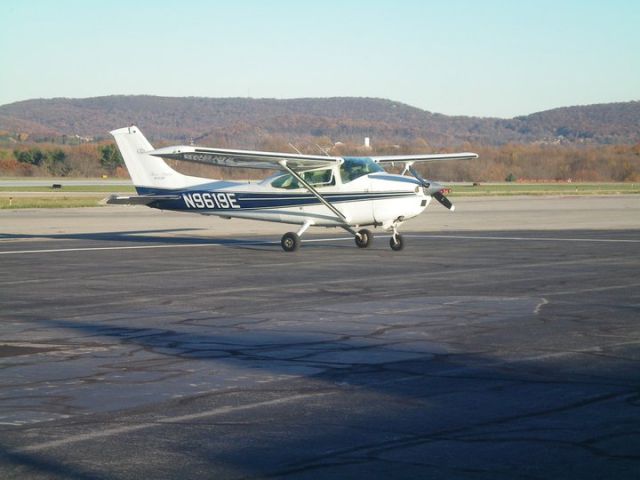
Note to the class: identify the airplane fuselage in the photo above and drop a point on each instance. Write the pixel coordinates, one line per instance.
(374, 199)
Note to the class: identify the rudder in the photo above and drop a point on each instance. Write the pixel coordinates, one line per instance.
(146, 170)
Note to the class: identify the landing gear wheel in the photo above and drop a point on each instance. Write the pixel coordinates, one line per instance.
(364, 238)
(396, 242)
(290, 242)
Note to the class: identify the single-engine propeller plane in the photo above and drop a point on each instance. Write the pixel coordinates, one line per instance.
(306, 190)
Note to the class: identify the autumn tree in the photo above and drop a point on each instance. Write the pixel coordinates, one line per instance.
(57, 163)
(34, 156)
(110, 158)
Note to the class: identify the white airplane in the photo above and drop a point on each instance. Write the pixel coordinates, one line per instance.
(307, 190)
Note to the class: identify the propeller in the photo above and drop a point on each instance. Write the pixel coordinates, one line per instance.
(433, 188)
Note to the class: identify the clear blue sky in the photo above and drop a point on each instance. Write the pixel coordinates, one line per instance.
(487, 58)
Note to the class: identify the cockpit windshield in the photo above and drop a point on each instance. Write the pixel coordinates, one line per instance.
(354, 167)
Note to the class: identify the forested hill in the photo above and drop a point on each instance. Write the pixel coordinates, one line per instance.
(240, 122)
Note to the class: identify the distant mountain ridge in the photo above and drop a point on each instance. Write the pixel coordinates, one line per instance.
(241, 121)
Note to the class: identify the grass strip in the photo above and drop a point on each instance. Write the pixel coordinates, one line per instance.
(545, 189)
(49, 202)
(72, 188)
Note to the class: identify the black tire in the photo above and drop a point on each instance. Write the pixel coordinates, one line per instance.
(396, 242)
(364, 238)
(290, 242)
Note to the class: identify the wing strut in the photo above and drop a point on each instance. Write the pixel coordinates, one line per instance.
(315, 193)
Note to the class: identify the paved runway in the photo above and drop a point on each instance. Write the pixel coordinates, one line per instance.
(152, 353)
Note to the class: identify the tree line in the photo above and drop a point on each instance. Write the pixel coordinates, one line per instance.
(83, 160)
(510, 162)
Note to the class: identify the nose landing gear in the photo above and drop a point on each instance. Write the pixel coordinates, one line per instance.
(396, 242)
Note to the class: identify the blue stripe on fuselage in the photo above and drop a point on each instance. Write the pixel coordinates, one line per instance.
(226, 200)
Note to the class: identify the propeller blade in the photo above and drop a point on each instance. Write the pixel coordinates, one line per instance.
(444, 201)
(434, 189)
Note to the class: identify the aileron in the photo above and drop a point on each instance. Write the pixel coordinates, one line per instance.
(438, 157)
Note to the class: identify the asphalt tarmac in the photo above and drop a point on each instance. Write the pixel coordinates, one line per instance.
(132, 347)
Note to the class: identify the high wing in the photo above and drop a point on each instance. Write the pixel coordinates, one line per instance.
(245, 158)
(437, 157)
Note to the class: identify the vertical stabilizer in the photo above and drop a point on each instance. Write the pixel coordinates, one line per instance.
(146, 170)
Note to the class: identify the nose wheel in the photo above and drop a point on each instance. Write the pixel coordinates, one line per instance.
(396, 242)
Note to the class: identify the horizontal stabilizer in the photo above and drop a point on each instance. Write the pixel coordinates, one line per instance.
(139, 199)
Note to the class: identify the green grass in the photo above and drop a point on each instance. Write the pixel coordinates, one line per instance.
(73, 188)
(491, 189)
(50, 202)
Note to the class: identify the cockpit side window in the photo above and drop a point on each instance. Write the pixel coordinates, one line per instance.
(315, 178)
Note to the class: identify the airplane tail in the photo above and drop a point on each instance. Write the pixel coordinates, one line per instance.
(147, 171)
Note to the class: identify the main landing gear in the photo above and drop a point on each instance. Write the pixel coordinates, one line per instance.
(364, 238)
(291, 241)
